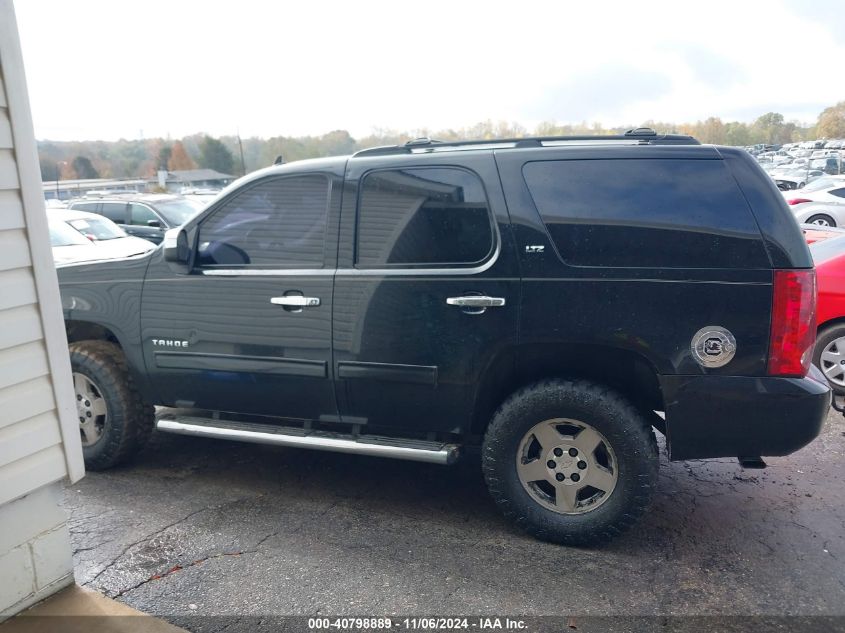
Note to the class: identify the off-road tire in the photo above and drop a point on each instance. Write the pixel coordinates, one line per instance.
(627, 431)
(129, 422)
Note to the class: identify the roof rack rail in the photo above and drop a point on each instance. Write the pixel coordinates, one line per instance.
(644, 135)
(641, 131)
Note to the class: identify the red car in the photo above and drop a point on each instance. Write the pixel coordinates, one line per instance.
(829, 353)
(814, 233)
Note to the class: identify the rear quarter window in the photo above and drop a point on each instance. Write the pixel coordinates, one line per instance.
(653, 213)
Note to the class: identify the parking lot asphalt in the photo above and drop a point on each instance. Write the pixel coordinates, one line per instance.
(205, 527)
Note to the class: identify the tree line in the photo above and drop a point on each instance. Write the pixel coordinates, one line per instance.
(235, 156)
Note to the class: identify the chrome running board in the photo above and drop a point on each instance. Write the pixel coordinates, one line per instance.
(413, 450)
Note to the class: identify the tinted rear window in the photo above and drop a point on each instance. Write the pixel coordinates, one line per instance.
(645, 213)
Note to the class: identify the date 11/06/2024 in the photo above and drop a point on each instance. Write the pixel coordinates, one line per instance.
(417, 624)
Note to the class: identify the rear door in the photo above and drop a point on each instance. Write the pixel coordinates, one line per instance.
(426, 291)
(248, 330)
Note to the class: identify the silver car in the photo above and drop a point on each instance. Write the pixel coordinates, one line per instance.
(822, 202)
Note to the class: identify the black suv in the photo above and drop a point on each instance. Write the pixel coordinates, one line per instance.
(549, 300)
(147, 216)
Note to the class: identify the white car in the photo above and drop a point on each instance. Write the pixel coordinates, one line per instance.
(827, 190)
(821, 203)
(821, 214)
(111, 241)
(69, 245)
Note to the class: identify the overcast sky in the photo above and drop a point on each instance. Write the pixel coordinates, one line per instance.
(106, 69)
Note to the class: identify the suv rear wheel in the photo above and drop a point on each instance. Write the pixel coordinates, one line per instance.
(571, 462)
(113, 421)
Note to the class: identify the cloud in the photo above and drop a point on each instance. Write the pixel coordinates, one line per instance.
(286, 68)
(708, 67)
(604, 92)
(827, 14)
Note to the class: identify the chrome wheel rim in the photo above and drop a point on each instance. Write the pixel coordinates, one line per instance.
(566, 466)
(832, 361)
(820, 222)
(91, 409)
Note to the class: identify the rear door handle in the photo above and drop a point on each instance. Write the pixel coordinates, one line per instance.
(297, 301)
(476, 301)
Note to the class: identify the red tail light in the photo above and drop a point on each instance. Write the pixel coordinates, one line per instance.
(798, 201)
(793, 322)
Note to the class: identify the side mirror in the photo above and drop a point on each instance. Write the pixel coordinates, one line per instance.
(156, 224)
(176, 249)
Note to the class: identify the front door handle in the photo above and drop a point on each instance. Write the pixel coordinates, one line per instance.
(296, 301)
(476, 301)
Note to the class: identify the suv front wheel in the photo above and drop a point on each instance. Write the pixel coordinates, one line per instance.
(113, 421)
(571, 462)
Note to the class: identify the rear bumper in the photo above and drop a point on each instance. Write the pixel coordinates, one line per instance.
(742, 416)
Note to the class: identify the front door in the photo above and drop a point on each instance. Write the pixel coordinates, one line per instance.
(248, 330)
(426, 294)
(145, 223)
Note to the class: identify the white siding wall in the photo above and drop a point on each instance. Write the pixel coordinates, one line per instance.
(39, 436)
(35, 552)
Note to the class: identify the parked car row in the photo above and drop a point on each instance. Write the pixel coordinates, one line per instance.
(116, 225)
(795, 165)
(802, 146)
(147, 216)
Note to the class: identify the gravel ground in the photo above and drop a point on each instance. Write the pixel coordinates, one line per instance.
(198, 527)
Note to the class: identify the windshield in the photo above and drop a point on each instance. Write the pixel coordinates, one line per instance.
(97, 228)
(63, 235)
(177, 212)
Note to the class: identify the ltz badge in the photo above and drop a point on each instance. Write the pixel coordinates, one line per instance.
(713, 346)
